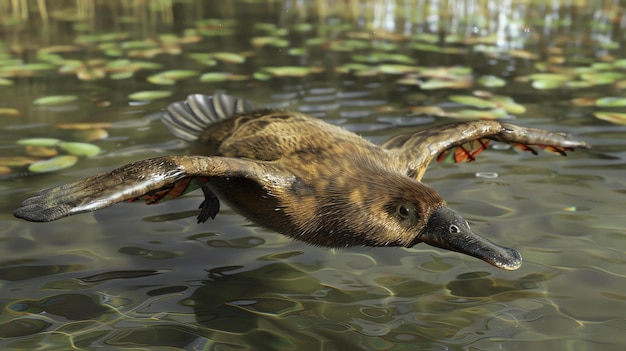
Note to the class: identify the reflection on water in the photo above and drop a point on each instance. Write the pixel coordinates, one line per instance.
(149, 277)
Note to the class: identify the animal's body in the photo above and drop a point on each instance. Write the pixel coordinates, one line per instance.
(305, 178)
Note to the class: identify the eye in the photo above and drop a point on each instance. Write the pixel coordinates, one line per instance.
(454, 229)
(404, 211)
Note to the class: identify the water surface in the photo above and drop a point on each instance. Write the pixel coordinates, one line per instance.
(149, 277)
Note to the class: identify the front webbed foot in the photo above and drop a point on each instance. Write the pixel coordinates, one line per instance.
(210, 206)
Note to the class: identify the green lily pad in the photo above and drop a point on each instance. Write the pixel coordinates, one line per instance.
(611, 101)
(46, 142)
(437, 83)
(550, 77)
(215, 77)
(178, 74)
(472, 101)
(288, 71)
(481, 114)
(6, 82)
(229, 57)
(53, 164)
(612, 117)
(302, 27)
(396, 69)
(262, 76)
(542, 84)
(491, 81)
(507, 103)
(150, 95)
(55, 100)
(80, 149)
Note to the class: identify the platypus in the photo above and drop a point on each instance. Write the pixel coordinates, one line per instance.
(305, 178)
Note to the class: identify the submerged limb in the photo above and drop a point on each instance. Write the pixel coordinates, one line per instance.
(210, 206)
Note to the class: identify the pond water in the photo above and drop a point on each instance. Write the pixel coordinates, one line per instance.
(136, 277)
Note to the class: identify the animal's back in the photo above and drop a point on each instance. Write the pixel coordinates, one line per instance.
(222, 125)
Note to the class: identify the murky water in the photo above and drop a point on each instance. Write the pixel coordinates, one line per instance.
(148, 277)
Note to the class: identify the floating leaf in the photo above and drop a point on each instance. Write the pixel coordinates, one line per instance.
(90, 134)
(472, 101)
(612, 117)
(178, 74)
(288, 71)
(460, 82)
(302, 27)
(53, 164)
(150, 95)
(550, 76)
(261, 76)
(583, 101)
(84, 126)
(396, 69)
(581, 84)
(480, 114)
(507, 103)
(611, 101)
(491, 81)
(8, 111)
(80, 149)
(17, 161)
(215, 77)
(297, 51)
(229, 57)
(159, 79)
(6, 82)
(44, 142)
(55, 100)
(426, 110)
(121, 75)
(41, 151)
(547, 84)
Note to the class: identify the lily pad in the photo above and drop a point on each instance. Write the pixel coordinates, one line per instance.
(288, 71)
(547, 84)
(178, 74)
(84, 126)
(41, 151)
(472, 101)
(612, 117)
(611, 101)
(481, 114)
(491, 81)
(229, 57)
(507, 103)
(53, 164)
(80, 149)
(150, 95)
(9, 111)
(396, 69)
(441, 83)
(17, 161)
(215, 77)
(55, 100)
(43, 142)
(90, 134)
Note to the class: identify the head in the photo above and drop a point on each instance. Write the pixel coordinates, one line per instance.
(404, 212)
